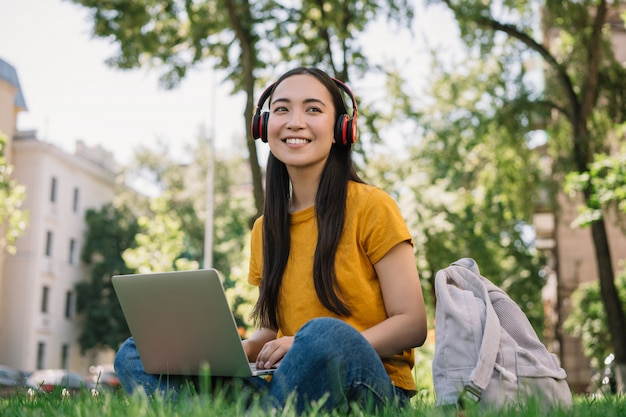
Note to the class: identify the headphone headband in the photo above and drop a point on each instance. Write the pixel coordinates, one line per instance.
(345, 127)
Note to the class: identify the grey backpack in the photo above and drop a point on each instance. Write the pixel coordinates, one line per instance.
(486, 351)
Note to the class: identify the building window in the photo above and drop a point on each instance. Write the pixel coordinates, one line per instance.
(53, 190)
(49, 239)
(41, 355)
(76, 200)
(65, 356)
(45, 299)
(69, 304)
(72, 257)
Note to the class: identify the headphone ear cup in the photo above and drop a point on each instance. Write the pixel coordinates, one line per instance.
(346, 127)
(259, 126)
(265, 117)
(254, 126)
(352, 131)
(341, 129)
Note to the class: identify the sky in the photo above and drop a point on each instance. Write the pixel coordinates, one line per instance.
(71, 94)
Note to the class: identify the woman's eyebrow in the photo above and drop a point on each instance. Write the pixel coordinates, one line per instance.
(307, 101)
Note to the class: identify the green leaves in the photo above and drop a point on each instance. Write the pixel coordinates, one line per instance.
(174, 34)
(160, 242)
(588, 319)
(13, 219)
(605, 183)
(110, 231)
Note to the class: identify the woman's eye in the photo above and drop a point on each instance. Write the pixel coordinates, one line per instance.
(313, 109)
(280, 109)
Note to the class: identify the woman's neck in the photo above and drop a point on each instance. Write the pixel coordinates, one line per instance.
(304, 191)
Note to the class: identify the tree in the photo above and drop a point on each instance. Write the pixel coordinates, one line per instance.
(240, 37)
(178, 35)
(172, 235)
(13, 220)
(325, 33)
(583, 91)
(466, 186)
(110, 231)
(606, 178)
(159, 243)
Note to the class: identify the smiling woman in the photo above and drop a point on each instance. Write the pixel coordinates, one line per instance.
(339, 249)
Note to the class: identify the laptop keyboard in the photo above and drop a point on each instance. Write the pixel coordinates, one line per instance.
(263, 371)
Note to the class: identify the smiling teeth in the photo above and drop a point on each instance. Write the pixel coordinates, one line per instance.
(295, 141)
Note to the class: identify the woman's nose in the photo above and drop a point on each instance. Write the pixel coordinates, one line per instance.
(296, 120)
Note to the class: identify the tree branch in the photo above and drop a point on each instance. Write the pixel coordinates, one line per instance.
(515, 33)
(325, 35)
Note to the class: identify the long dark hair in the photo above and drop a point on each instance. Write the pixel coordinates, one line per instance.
(330, 208)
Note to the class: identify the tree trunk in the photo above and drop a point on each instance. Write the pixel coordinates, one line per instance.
(610, 298)
(255, 168)
(241, 22)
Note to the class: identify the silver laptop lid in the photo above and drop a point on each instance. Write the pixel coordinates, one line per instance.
(180, 321)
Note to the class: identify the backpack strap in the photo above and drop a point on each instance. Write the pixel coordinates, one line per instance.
(466, 275)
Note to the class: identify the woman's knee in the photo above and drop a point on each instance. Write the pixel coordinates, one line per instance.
(326, 336)
(125, 354)
(329, 327)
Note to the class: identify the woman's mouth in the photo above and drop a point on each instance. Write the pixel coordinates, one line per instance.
(296, 141)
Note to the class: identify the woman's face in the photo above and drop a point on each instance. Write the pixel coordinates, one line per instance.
(301, 124)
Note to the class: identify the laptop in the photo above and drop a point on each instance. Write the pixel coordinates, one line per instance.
(181, 321)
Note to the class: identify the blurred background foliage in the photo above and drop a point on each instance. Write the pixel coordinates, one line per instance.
(588, 319)
(13, 219)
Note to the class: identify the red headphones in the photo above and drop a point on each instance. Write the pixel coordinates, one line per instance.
(345, 127)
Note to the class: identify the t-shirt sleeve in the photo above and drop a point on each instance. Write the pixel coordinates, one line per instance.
(383, 226)
(256, 253)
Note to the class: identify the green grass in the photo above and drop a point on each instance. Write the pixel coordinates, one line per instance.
(109, 405)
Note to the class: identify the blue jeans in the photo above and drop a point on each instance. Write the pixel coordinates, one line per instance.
(328, 358)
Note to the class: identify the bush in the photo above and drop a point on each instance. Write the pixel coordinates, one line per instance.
(588, 321)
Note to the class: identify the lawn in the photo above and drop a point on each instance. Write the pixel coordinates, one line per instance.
(109, 405)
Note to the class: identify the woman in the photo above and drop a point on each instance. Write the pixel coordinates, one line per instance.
(340, 305)
(338, 249)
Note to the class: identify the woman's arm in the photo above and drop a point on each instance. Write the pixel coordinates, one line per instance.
(255, 343)
(405, 327)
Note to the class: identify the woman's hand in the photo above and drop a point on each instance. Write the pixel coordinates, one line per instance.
(273, 352)
(253, 345)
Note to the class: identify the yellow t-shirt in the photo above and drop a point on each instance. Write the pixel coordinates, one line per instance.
(373, 226)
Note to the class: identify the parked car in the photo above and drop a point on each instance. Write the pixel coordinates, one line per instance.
(68, 382)
(104, 376)
(11, 381)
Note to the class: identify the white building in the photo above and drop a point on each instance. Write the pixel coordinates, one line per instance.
(38, 323)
